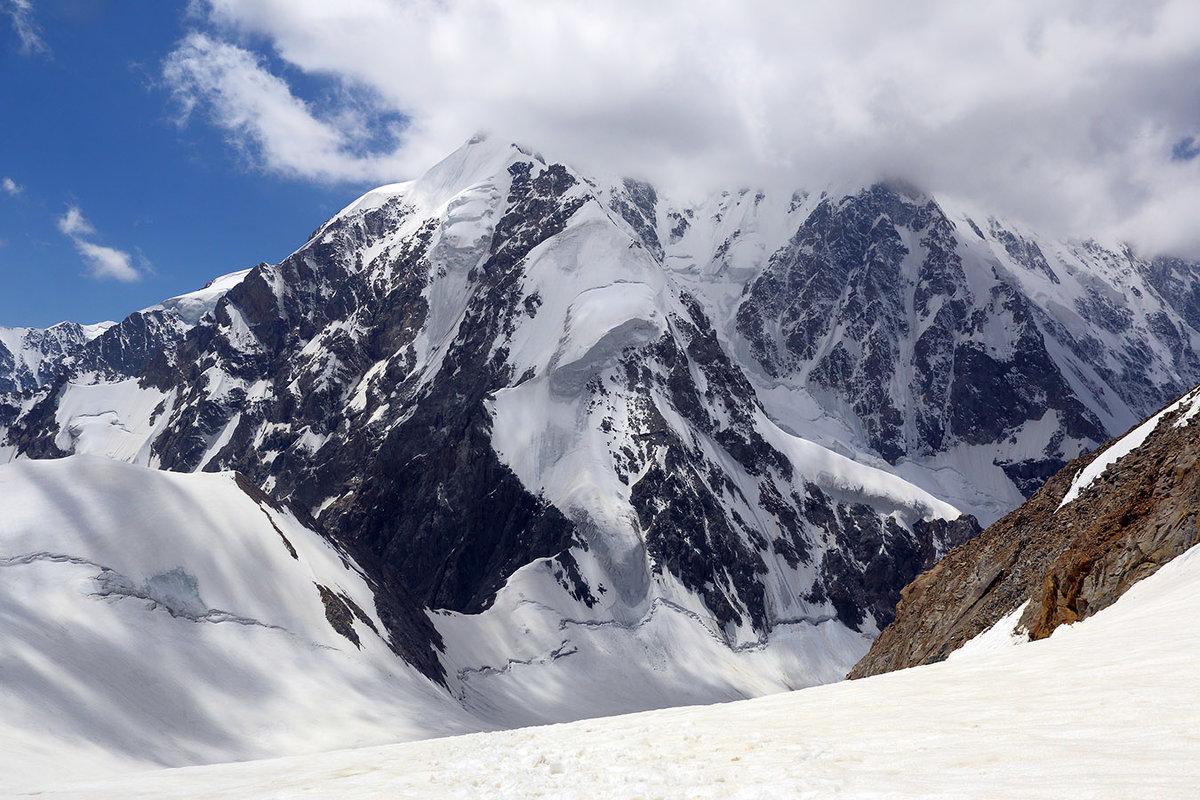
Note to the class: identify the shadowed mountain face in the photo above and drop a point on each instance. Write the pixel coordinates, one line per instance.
(501, 387)
(1106, 521)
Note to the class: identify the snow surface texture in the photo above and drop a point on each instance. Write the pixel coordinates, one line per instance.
(1102, 709)
(152, 619)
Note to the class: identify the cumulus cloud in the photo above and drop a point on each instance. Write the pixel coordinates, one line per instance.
(106, 262)
(20, 12)
(103, 262)
(11, 187)
(73, 223)
(1076, 116)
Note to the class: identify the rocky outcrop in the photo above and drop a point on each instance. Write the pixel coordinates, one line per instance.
(1066, 556)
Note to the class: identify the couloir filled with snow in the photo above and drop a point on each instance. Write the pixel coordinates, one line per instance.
(1102, 709)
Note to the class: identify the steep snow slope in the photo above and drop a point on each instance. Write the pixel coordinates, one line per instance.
(966, 353)
(151, 618)
(1102, 709)
(975, 363)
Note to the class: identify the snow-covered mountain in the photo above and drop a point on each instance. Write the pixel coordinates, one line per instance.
(973, 356)
(606, 452)
(30, 357)
(35, 363)
(482, 379)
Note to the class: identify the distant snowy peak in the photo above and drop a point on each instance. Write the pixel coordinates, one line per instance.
(973, 356)
(29, 357)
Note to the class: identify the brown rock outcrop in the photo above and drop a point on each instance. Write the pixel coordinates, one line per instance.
(1068, 562)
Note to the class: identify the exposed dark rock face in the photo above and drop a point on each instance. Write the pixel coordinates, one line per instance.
(127, 347)
(893, 319)
(875, 556)
(698, 524)
(1177, 283)
(38, 356)
(850, 302)
(408, 485)
(359, 381)
(638, 205)
(1067, 563)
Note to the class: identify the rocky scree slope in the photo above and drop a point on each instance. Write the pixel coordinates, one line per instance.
(1103, 523)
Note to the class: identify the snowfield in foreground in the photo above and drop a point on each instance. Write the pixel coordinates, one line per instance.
(1104, 709)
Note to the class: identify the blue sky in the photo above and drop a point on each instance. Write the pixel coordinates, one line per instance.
(86, 122)
(146, 148)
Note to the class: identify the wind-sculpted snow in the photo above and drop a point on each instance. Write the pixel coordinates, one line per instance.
(153, 619)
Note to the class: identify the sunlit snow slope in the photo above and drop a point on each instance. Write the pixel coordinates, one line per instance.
(150, 618)
(1102, 709)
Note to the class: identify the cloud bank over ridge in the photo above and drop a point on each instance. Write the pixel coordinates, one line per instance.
(1071, 115)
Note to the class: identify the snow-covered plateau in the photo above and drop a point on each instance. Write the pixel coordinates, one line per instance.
(1102, 709)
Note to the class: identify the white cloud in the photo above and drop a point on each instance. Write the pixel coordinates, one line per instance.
(24, 25)
(103, 262)
(11, 187)
(107, 262)
(264, 117)
(73, 223)
(1066, 114)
